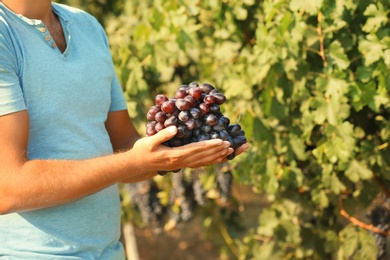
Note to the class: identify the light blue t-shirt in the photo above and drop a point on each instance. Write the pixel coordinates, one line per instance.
(68, 96)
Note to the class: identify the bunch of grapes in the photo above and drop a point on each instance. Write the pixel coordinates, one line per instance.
(195, 111)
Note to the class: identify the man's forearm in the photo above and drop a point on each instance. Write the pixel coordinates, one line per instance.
(45, 183)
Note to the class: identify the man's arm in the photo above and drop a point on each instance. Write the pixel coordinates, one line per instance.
(34, 184)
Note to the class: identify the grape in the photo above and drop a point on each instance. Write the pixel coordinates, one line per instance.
(211, 119)
(181, 93)
(234, 129)
(152, 112)
(159, 99)
(195, 93)
(182, 104)
(219, 98)
(214, 109)
(168, 106)
(209, 99)
(190, 124)
(206, 87)
(160, 116)
(206, 128)
(203, 108)
(159, 126)
(223, 134)
(181, 131)
(195, 111)
(190, 100)
(184, 116)
(172, 120)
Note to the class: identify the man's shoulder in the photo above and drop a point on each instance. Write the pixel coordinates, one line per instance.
(70, 12)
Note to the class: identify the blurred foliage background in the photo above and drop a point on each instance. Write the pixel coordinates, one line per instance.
(308, 81)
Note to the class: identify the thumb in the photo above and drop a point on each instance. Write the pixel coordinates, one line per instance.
(162, 136)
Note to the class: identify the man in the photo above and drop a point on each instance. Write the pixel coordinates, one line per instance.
(66, 139)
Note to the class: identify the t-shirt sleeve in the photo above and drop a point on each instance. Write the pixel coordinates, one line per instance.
(118, 101)
(11, 95)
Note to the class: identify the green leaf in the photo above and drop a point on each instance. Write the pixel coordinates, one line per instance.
(310, 7)
(298, 146)
(350, 242)
(358, 171)
(337, 53)
(319, 197)
(371, 50)
(377, 19)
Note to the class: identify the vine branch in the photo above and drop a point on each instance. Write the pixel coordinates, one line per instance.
(321, 36)
(359, 223)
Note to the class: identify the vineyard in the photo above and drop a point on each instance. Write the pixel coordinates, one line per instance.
(308, 83)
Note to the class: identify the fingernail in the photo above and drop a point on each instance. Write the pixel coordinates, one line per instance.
(171, 129)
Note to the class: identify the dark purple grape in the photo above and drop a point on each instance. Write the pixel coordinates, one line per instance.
(193, 85)
(175, 112)
(196, 93)
(187, 136)
(196, 132)
(206, 87)
(182, 104)
(203, 108)
(223, 134)
(209, 99)
(226, 120)
(190, 100)
(198, 123)
(149, 116)
(150, 130)
(184, 116)
(168, 106)
(213, 91)
(219, 98)
(195, 113)
(159, 126)
(214, 135)
(234, 129)
(211, 119)
(181, 131)
(203, 137)
(151, 123)
(241, 133)
(205, 128)
(181, 93)
(214, 109)
(231, 156)
(190, 124)
(172, 120)
(176, 142)
(160, 116)
(152, 112)
(159, 99)
(238, 141)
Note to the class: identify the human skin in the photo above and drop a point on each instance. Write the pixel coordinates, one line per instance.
(34, 184)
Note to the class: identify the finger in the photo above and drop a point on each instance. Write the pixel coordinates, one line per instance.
(242, 149)
(162, 136)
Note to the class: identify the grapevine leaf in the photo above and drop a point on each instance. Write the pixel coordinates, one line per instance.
(337, 53)
(378, 17)
(350, 242)
(319, 197)
(358, 170)
(371, 50)
(310, 7)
